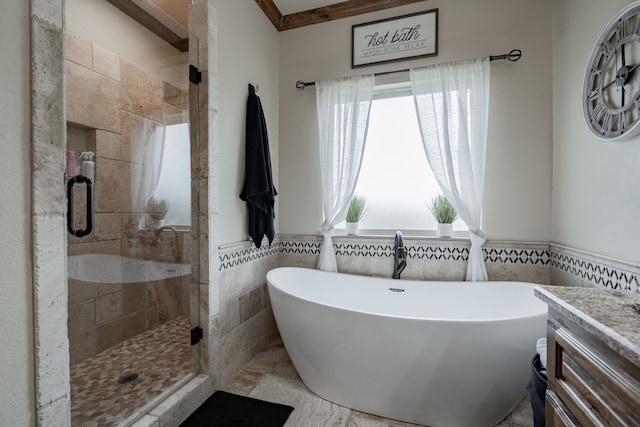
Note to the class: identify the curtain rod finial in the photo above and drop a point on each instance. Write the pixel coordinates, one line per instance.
(514, 55)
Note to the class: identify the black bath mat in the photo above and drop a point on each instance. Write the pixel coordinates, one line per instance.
(224, 409)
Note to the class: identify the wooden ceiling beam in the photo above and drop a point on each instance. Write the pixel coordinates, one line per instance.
(327, 13)
(152, 24)
(273, 13)
(281, 23)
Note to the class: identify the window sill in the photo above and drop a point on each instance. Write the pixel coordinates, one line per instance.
(407, 234)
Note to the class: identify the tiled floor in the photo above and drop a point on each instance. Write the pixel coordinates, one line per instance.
(271, 376)
(160, 357)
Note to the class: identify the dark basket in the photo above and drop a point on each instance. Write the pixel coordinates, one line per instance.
(538, 390)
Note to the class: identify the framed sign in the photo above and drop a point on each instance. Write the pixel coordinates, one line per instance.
(395, 39)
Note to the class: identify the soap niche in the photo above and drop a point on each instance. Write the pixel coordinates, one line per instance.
(79, 140)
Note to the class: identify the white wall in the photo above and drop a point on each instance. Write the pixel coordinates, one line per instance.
(248, 53)
(517, 202)
(17, 394)
(596, 185)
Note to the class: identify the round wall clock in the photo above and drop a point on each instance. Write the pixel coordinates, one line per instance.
(611, 88)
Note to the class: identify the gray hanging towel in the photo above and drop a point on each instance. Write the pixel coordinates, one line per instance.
(258, 190)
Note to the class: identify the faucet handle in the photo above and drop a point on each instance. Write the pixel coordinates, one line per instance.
(398, 239)
(402, 253)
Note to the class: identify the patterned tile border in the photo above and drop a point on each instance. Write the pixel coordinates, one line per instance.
(596, 270)
(593, 269)
(245, 252)
(376, 247)
(438, 253)
(415, 250)
(517, 255)
(424, 249)
(301, 247)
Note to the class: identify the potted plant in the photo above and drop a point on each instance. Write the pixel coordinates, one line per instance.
(357, 207)
(157, 209)
(444, 213)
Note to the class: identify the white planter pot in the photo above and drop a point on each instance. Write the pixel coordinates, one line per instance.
(445, 230)
(352, 228)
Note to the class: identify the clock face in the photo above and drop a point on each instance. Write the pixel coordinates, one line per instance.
(611, 90)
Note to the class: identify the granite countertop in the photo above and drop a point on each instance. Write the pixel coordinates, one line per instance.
(612, 316)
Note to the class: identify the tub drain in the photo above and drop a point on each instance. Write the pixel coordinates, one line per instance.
(127, 378)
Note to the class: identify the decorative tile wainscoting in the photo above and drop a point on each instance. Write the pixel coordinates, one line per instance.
(428, 258)
(246, 322)
(572, 267)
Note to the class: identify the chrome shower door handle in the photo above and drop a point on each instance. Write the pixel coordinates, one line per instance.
(89, 224)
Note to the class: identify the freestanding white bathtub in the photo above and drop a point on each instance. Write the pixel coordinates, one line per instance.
(432, 353)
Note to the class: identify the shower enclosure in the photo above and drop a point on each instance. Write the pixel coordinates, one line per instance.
(129, 301)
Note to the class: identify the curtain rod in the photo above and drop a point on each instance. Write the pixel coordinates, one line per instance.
(512, 56)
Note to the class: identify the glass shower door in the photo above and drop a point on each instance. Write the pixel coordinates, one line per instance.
(131, 304)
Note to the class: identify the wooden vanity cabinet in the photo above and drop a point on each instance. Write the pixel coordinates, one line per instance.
(589, 384)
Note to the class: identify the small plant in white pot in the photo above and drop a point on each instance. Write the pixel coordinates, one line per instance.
(444, 214)
(357, 208)
(156, 209)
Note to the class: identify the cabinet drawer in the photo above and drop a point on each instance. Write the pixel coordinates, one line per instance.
(595, 390)
(556, 414)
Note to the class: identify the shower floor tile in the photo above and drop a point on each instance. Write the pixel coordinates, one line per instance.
(270, 375)
(160, 357)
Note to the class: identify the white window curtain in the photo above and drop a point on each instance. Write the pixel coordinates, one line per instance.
(343, 118)
(147, 149)
(452, 104)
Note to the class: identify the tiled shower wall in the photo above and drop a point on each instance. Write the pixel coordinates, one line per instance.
(112, 106)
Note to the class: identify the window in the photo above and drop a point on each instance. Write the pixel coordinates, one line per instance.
(174, 184)
(395, 176)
